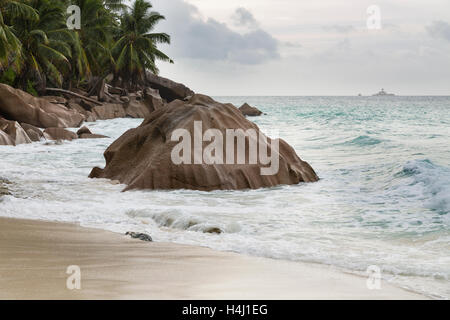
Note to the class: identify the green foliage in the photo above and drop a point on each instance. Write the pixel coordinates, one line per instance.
(36, 47)
(8, 76)
(30, 88)
(136, 50)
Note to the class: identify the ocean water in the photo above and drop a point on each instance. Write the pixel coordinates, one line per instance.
(383, 198)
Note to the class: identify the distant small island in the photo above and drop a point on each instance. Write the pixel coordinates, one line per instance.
(383, 93)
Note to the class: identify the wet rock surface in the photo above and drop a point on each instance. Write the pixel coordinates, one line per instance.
(142, 157)
(139, 236)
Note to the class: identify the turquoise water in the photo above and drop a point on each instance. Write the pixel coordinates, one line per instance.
(383, 198)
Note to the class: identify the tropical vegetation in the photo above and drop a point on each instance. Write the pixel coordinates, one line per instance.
(38, 50)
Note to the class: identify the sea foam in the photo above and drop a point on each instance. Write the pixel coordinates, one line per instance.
(434, 181)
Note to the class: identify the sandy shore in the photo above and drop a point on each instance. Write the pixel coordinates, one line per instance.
(34, 257)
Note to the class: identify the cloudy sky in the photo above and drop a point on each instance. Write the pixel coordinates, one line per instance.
(303, 47)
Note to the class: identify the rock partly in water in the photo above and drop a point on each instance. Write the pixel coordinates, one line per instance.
(168, 89)
(140, 236)
(250, 111)
(20, 106)
(91, 136)
(14, 131)
(85, 133)
(3, 187)
(215, 230)
(83, 130)
(5, 139)
(59, 134)
(33, 132)
(142, 157)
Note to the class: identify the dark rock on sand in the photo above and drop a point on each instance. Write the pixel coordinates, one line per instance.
(250, 111)
(59, 134)
(140, 236)
(20, 106)
(141, 158)
(168, 89)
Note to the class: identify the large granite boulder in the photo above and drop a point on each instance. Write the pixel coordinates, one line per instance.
(148, 157)
(20, 106)
(168, 89)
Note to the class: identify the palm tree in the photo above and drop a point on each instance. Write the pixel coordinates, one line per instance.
(45, 55)
(36, 46)
(135, 50)
(10, 47)
(90, 43)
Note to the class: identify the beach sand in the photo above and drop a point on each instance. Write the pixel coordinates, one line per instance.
(34, 257)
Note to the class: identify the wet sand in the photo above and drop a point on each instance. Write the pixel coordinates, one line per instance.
(35, 255)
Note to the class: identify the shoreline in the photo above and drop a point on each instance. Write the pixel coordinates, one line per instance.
(34, 257)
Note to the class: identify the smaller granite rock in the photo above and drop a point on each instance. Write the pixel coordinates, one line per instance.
(34, 133)
(168, 89)
(109, 111)
(14, 131)
(140, 236)
(87, 105)
(250, 111)
(83, 130)
(125, 99)
(5, 139)
(59, 134)
(115, 90)
(91, 136)
(213, 230)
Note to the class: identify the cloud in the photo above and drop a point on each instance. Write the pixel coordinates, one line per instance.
(198, 38)
(339, 28)
(244, 18)
(439, 29)
(291, 44)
